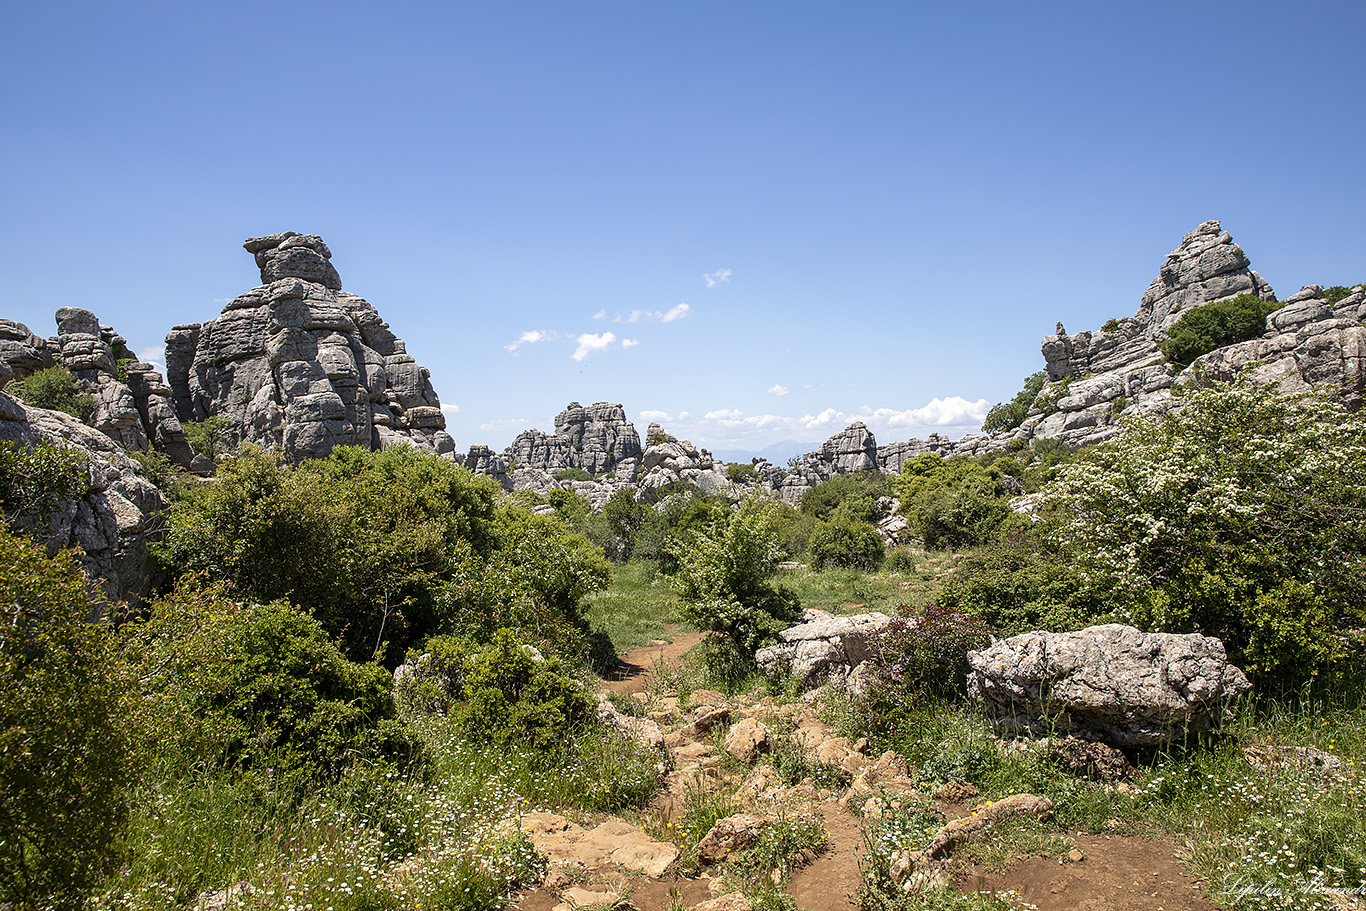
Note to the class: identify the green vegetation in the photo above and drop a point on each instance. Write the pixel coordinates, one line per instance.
(67, 739)
(572, 474)
(207, 437)
(725, 575)
(55, 389)
(1239, 516)
(36, 481)
(846, 542)
(953, 502)
(1215, 325)
(1335, 293)
(1006, 416)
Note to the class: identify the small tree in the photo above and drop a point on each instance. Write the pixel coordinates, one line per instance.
(725, 574)
(1006, 416)
(1215, 325)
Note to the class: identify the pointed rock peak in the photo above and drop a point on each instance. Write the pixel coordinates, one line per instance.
(293, 255)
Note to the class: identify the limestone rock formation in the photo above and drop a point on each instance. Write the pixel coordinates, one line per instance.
(132, 404)
(1111, 683)
(110, 525)
(300, 366)
(596, 439)
(669, 462)
(823, 648)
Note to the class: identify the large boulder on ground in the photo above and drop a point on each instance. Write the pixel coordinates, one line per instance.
(1111, 683)
(823, 648)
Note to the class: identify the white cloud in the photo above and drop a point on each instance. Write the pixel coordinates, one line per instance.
(450, 410)
(154, 356)
(222, 300)
(656, 416)
(531, 337)
(953, 411)
(499, 424)
(714, 278)
(663, 316)
(778, 389)
(591, 343)
(601, 314)
(629, 342)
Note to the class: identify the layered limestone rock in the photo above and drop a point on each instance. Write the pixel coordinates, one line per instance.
(669, 462)
(132, 403)
(852, 450)
(596, 439)
(1111, 683)
(1096, 378)
(300, 366)
(111, 524)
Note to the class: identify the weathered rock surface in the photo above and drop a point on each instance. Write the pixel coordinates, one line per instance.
(299, 366)
(1111, 683)
(669, 462)
(111, 524)
(596, 439)
(823, 649)
(614, 842)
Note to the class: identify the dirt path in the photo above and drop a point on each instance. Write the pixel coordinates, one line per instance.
(830, 882)
(634, 669)
(1118, 874)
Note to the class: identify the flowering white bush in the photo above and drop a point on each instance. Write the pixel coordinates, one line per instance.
(1242, 515)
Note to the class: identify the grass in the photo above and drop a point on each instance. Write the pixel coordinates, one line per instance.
(637, 608)
(851, 591)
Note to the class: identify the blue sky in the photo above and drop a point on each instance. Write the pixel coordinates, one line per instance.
(752, 221)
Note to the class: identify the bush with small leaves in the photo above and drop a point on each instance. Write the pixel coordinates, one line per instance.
(55, 389)
(35, 481)
(1006, 416)
(842, 542)
(67, 732)
(1215, 325)
(725, 576)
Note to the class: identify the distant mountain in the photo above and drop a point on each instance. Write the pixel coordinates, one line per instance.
(777, 453)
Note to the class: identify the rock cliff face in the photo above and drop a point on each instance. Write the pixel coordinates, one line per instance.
(110, 525)
(596, 439)
(1096, 378)
(300, 366)
(132, 403)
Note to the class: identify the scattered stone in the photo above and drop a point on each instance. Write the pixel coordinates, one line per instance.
(1111, 683)
(1076, 855)
(613, 842)
(746, 739)
(1091, 758)
(957, 792)
(577, 897)
(729, 835)
(641, 730)
(732, 901)
(1309, 758)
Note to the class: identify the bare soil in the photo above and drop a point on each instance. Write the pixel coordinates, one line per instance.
(1118, 874)
(634, 669)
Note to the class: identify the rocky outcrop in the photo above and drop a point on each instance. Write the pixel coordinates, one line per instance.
(1111, 683)
(299, 366)
(1098, 378)
(111, 525)
(596, 439)
(823, 648)
(483, 460)
(669, 463)
(132, 403)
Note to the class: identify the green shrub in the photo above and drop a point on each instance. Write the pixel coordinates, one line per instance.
(842, 542)
(55, 389)
(823, 499)
(1110, 325)
(1237, 516)
(924, 654)
(67, 757)
(1215, 325)
(370, 543)
(572, 474)
(208, 437)
(262, 688)
(36, 481)
(1006, 416)
(514, 696)
(900, 560)
(741, 474)
(725, 575)
(1336, 293)
(571, 508)
(952, 502)
(1020, 583)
